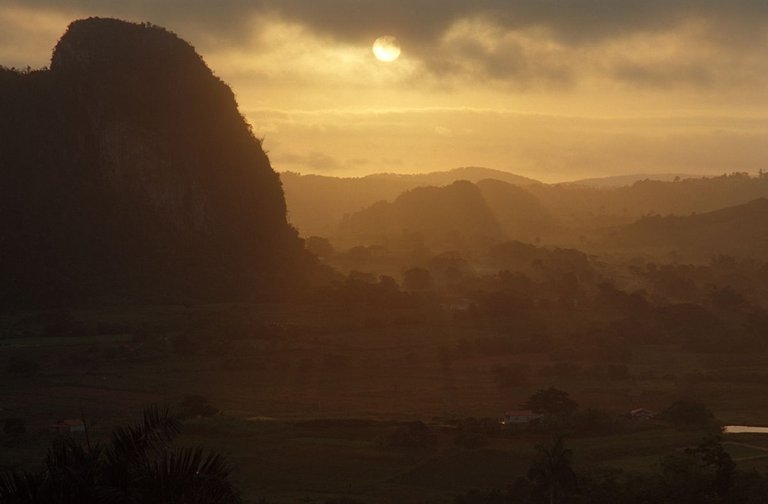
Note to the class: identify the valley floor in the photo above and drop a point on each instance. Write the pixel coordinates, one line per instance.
(311, 396)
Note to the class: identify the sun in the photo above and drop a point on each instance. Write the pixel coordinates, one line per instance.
(386, 48)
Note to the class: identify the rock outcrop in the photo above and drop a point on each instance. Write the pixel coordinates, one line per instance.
(127, 171)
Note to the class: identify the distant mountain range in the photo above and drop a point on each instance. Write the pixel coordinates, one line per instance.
(467, 216)
(372, 208)
(470, 173)
(625, 180)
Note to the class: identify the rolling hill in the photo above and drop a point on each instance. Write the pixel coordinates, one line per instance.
(317, 203)
(739, 230)
(455, 216)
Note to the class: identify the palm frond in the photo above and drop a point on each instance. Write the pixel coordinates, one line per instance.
(68, 453)
(18, 488)
(135, 468)
(190, 476)
(153, 432)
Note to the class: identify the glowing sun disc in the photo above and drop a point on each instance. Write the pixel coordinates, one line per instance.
(386, 48)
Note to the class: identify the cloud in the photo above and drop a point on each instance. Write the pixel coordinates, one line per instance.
(665, 76)
(304, 75)
(575, 21)
(424, 20)
(522, 43)
(487, 52)
(545, 147)
(27, 37)
(316, 161)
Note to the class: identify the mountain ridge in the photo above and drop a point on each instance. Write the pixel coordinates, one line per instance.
(738, 230)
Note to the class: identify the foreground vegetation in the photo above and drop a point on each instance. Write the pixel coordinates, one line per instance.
(137, 465)
(359, 461)
(388, 388)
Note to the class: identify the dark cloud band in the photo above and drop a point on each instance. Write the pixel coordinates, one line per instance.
(735, 27)
(423, 20)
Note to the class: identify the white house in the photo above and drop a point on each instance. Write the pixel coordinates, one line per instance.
(519, 417)
(68, 426)
(641, 414)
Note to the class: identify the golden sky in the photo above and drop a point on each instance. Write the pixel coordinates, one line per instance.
(554, 90)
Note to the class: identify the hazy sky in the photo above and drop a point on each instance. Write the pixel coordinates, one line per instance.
(551, 89)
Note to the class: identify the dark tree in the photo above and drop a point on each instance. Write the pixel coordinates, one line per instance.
(688, 414)
(551, 401)
(23, 367)
(715, 459)
(14, 426)
(551, 471)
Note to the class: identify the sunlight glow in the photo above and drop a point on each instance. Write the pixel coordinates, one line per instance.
(386, 49)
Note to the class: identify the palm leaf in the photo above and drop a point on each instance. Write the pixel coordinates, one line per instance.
(135, 468)
(16, 488)
(156, 428)
(189, 476)
(132, 446)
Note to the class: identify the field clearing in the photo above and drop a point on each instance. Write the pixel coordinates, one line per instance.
(740, 452)
(305, 410)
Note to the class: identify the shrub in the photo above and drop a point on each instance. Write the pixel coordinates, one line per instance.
(14, 427)
(23, 367)
(688, 414)
(194, 406)
(551, 402)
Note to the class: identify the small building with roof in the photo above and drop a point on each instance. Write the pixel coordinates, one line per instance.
(519, 417)
(67, 426)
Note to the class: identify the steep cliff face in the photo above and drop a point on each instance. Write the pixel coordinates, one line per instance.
(126, 170)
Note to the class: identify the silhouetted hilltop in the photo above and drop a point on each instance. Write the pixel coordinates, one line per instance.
(470, 173)
(127, 170)
(519, 213)
(317, 203)
(451, 217)
(461, 215)
(739, 230)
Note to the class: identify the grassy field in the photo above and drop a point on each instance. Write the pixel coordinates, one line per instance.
(317, 460)
(314, 362)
